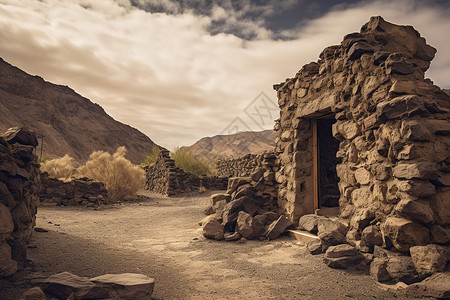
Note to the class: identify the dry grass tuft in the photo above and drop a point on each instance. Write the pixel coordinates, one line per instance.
(62, 168)
(122, 179)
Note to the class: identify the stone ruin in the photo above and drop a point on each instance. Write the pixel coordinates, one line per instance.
(19, 185)
(77, 192)
(363, 134)
(165, 178)
(240, 167)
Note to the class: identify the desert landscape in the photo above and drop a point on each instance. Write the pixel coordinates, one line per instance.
(347, 197)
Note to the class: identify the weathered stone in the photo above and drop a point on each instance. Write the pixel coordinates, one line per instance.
(5, 196)
(415, 210)
(417, 188)
(327, 225)
(397, 64)
(63, 284)
(362, 176)
(231, 236)
(342, 257)
(401, 268)
(8, 266)
(421, 170)
(206, 220)
(33, 294)
(415, 130)
(309, 222)
(316, 247)
(6, 222)
(404, 234)
(358, 49)
(378, 269)
(20, 135)
(213, 230)
(220, 197)
(277, 228)
(428, 259)
(341, 251)
(440, 205)
(440, 234)
(435, 286)
(401, 107)
(235, 182)
(230, 213)
(370, 237)
(122, 286)
(245, 226)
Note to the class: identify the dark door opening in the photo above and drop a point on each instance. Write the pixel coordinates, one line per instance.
(327, 194)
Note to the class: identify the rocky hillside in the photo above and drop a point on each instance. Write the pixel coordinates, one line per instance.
(234, 145)
(70, 123)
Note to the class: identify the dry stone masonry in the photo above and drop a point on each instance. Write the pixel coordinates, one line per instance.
(362, 129)
(19, 185)
(77, 192)
(165, 178)
(240, 167)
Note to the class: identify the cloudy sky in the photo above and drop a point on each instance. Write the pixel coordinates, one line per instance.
(182, 70)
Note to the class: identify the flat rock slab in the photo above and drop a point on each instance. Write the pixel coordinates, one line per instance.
(124, 286)
(436, 286)
(63, 284)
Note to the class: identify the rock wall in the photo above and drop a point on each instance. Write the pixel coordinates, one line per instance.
(165, 178)
(393, 128)
(78, 192)
(240, 167)
(19, 184)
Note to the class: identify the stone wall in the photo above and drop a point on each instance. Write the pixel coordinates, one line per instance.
(240, 167)
(165, 178)
(77, 192)
(19, 184)
(393, 128)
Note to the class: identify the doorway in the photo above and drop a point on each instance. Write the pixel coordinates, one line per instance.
(325, 147)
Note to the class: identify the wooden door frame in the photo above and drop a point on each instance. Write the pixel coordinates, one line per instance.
(315, 164)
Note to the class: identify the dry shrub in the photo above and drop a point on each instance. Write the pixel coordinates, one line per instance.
(152, 157)
(62, 168)
(184, 159)
(122, 179)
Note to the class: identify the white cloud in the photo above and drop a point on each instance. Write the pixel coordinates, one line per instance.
(165, 74)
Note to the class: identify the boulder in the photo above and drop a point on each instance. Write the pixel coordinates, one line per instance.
(436, 286)
(220, 197)
(62, 285)
(230, 213)
(342, 256)
(6, 222)
(341, 251)
(247, 226)
(420, 170)
(404, 234)
(440, 234)
(235, 182)
(417, 188)
(20, 135)
(428, 259)
(277, 228)
(378, 269)
(401, 268)
(309, 223)
(122, 286)
(418, 211)
(316, 247)
(370, 237)
(213, 230)
(231, 236)
(34, 293)
(331, 232)
(401, 107)
(358, 49)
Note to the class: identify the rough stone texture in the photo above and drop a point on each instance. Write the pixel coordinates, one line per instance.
(19, 184)
(33, 294)
(165, 178)
(78, 192)
(331, 232)
(436, 286)
(342, 257)
(248, 227)
(240, 167)
(213, 230)
(391, 267)
(122, 286)
(62, 285)
(392, 127)
(370, 237)
(309, 222)
(316, 247)
(428, 259)
(277, 228)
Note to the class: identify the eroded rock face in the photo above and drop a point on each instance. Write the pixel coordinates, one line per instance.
(393, 130)
(19, 184)
(428, 259)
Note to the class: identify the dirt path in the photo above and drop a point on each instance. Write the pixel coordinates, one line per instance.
(160, 237)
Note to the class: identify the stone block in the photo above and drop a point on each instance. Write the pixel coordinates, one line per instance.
(417, 188)
(309, 222)
(370, 237)
(33, 294)
(428, 259)
(122, 286)
(415, 210)
(8, 266)
(6, 222)
(277, 228)
(436, 286)
(401, 107)
(404, 234)
(213, 230)
(418, 170)
(62, 285)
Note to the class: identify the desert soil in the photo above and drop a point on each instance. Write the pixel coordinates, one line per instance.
(160, 237)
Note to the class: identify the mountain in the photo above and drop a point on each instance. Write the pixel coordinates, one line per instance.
(234, 145)
(70, 123)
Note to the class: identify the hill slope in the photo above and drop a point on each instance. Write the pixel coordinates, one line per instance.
(70, 123)
(234, 145)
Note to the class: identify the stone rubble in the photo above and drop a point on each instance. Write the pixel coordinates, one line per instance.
(19, 185)
(163, 177)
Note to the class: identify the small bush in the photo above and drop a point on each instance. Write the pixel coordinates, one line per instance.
(122, 179)
(185, 160)
(62, 168)
(151, 158)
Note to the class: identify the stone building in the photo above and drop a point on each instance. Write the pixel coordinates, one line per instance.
(363, 130)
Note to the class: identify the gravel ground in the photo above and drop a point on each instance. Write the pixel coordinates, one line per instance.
(160, 237)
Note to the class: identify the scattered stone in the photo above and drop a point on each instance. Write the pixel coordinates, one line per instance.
(378, 269)
(316, 247)
(331, 232)
(404, 234)
(63, 284)
(231, 236)
(401, 268)
(370, 237)
(309, 223)
(277, 228)
(342, 256)
(428, 259)
(415, 210)
(213, 230)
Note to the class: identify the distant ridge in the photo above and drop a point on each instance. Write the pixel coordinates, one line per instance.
(70, 123)
(234, 145)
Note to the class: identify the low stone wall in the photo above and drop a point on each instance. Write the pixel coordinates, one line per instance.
(165, 178)
(19, 184)
(242, 166)
(78, 192)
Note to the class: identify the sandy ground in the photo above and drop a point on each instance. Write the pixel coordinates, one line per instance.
(160, 237)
